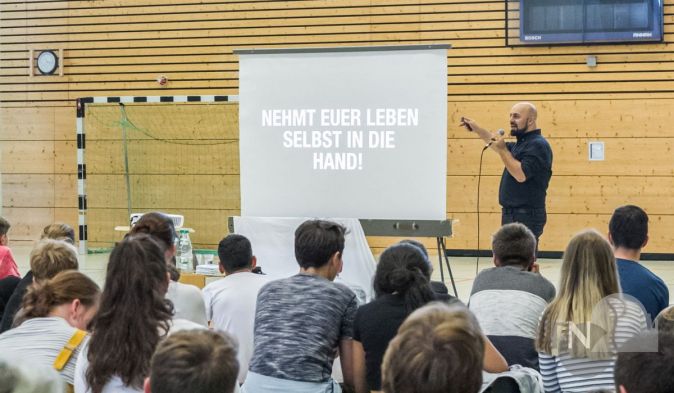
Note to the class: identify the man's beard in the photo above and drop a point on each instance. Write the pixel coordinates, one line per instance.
(514, 131)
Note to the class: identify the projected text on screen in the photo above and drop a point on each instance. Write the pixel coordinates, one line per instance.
(338, 136)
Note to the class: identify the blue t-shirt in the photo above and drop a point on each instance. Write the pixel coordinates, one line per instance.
(646, 287)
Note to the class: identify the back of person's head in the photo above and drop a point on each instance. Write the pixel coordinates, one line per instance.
(642, 368)
(4, 226)
(197, 361)
(514, 244)
(629, 227)
(133, 313)
(664, 322)
(316, 241)
(588, 276)
(59, 232)
(50, 257)
(421, 248)
(403, 270)
(67, 287)
(158, 225)
(438, 349)
(235, 253)
(19, 377)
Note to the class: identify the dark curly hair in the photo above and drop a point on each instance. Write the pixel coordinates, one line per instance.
(403, 270)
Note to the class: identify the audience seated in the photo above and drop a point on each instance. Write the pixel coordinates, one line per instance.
(197, 361)
(187, 301)
(59, 231)
(133, 316)
(230, 302)
(303, 321)
(8, 266)
(628, 233)
(586, 323)
(7, 287)
(28, 378)
(54, 315)
(647, 366)
(48, 258)
(438, 349)
(401, 285)
(509, 299)
(438, 287)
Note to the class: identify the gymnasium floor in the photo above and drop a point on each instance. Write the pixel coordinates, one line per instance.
(462, 267)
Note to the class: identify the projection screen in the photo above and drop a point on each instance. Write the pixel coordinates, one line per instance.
(344, 132)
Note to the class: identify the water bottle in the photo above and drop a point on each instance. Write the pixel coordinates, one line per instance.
(184, 254)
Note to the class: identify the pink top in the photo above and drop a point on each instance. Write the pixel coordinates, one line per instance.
(7, 265)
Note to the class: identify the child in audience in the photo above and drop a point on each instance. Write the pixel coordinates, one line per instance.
(401, 284)
(7, 264)
(230, 302)
(302, 322)
(197, 361)
(48, 258)
(187, 300)
(438, 349)
(54, 315)
(587, 322)
(28, 378)
(133, 316)
(59, 231)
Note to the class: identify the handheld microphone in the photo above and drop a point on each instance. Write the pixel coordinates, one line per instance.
(500, 132)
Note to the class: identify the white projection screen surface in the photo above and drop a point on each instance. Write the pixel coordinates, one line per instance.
(352, 133)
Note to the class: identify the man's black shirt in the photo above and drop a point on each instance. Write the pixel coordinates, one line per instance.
(535, 154)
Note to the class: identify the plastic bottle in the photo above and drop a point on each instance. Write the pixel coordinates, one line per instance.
(184, 254)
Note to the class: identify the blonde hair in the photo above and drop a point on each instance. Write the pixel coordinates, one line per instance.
(59, 232)
(588, 276)
(52, 256)
(438, 349)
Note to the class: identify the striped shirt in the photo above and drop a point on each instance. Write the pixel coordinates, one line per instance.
(39, 341)
(508, 303)
(299, 323)
(565, 373)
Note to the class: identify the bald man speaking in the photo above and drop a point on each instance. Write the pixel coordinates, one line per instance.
(528, 167)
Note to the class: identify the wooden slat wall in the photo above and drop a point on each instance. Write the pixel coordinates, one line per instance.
(119, 47)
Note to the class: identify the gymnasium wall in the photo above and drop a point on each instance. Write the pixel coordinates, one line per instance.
(120, 47)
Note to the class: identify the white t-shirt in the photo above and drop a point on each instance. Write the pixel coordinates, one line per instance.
(38, 341)
(115, 383)
(230, 306)
(187, 302)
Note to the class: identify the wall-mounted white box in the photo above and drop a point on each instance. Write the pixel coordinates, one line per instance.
(596, 151)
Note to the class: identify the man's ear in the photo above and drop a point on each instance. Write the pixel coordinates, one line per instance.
(622, 389)
(610, 240)
(645, 242)
(146, 386)
(497, 262)
(253, 261)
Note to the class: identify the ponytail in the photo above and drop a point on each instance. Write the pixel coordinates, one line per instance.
(65, 287)
(403, 270)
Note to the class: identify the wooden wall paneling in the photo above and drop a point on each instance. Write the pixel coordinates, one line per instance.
(32, 190)
(575, 194)
(165, 191)
(571, 157)
(27, 222)
(574, 118)
(27, 157)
